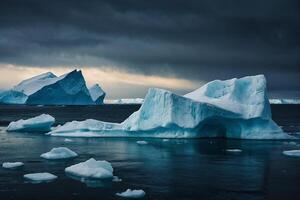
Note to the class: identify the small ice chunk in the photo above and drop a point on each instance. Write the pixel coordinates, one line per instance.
(12, 165)
(91, 169)
(132, 193)
(40, 177)
(234, 150)
(41, 123)
(294, 153)
(59, 153)
(142, 142)
(166, 140)
(116, 179)
(68, 140)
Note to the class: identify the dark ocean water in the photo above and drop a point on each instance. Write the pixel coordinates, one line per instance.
(175, 169)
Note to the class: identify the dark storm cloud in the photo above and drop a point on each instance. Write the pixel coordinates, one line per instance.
(199, 40)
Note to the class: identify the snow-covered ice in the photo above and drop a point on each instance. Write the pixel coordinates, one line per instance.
(12, 165)
(142, 142)
(59, 153)
(234, 150)
(132, 194)
(41, 123)
(91, 169)
(235, 108)
(40, 177)
(293, 153)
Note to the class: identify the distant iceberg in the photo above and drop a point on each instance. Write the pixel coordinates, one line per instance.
(48, 89)
(235, 108)
(41, 123)
(125, 101)
(284, 101)
(97, 94)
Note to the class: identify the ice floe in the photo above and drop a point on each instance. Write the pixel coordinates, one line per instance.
(12, 165)
(142, 142)
(41, 123)
(59, 153)
(234, 150)
(132, 194)
(293, 153)
(91, 169)
(40, 177)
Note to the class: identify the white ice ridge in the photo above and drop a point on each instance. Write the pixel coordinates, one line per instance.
(40, 177)
(59, 153)
(132, 194)
(235, 108)
(12, 165)
(284, 101)
(91, 169)
(41, 123)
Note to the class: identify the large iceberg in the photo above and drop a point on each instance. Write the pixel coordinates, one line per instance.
(47, 88)
(235, 108)
(41, 123)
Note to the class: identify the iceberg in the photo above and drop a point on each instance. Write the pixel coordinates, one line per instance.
(41, 123)
(284, 101)
(293, 153)
(12, 97)
(59, 153)
(12, 165)
(97, 94)
(91, 169)
(48, 89)
(132, 194)
(234, 108)
(40, 177)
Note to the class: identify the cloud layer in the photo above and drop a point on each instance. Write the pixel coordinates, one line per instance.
(193, 40)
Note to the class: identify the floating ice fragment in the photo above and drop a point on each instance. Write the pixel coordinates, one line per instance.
(293, 153)
(234, 150)
(142, 142)
(132, 193)
(12, 165)
(41, 123)
(40, 177)
(59, 153)
(91, 169)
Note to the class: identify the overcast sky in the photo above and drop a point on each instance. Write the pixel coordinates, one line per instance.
(128, 46)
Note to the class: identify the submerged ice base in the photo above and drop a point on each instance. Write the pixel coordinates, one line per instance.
(235, 108)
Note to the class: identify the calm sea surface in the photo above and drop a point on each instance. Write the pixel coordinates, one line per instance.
(174, 169)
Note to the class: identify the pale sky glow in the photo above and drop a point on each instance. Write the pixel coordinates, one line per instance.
(116, 83)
